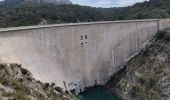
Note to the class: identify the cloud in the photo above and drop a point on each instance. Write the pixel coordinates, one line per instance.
(106, 3)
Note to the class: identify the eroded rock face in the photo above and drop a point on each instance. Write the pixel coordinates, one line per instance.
(146, 76)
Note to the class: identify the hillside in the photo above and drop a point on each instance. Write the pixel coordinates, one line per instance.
(146, 76)
(7, 2)
(34, 14)
(17, 83)
(147, 10)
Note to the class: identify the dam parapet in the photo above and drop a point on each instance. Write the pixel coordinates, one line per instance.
(79, 54)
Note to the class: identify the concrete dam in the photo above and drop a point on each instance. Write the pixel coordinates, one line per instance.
(77, 55)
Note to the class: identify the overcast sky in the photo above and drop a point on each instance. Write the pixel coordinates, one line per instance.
(105, 3)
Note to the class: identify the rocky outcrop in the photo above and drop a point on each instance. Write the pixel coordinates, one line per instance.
(17, 83)
(146, 76)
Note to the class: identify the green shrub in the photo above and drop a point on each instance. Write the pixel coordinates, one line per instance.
(2, 65)
(46, 86)
(142, 81)
(151, 82)
(13, 65)
(7, 94)
(41, 97)
(146, 53)
(116, 78)
(23, 89)
(21, 80)
(134, 91)
(20, 96)
(25, 72)
(167, 36)
(52, 94)
(4, 81)
(52, 84)
(29, 78)
(58, 89)
(160, 35)
(20, 87)
(163, 35)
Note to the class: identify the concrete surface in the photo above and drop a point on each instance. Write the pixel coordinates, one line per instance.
(82, 53)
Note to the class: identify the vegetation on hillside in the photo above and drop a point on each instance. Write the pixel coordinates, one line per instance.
(146, 76)
(33, 14)
(17, 83)
(147, 10)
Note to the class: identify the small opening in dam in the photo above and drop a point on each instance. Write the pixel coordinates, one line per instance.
(85, 36)
(81, 44)
(81, 37)
(97, 93)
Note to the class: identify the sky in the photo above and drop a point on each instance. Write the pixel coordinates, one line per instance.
(105, 3)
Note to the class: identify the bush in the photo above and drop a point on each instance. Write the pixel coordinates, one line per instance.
(20, 96)
(151, 83)
(17, 96)
(167, 36)
(142, 81)
(58, 89)
(46, 86)
(134, 91)
(22, 88)
(25, 72)
(2, 65)
(163, 35)
(4, 81)
(52, 84)
(29, 79)
(21, 80)
(160, 35)
(13, 65)
(7, 94)
(41, 97)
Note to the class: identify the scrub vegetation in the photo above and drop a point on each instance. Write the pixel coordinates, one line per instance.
(146, 76)
(34, 14)
(17, 83)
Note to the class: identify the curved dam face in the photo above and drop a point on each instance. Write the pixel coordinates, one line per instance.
(84, 54)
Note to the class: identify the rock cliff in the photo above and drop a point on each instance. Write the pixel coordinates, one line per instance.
(17, 83)
(146, 76)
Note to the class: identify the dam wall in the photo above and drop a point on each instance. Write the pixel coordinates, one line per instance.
(163, 23)
(79, 55)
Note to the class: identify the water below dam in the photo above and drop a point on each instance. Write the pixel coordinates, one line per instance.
(97, 93)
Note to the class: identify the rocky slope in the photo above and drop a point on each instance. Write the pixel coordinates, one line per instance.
(17, 83)
(146, 76)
